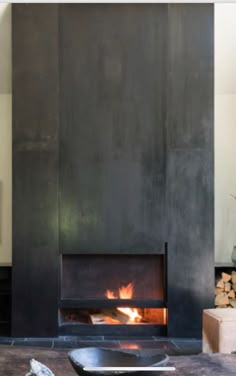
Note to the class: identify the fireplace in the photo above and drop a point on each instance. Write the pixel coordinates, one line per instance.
(113, 294)
(112, 157)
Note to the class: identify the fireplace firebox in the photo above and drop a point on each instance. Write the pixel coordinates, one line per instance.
(113, 294)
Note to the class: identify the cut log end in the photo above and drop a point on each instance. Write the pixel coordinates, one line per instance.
(221, 299)
(226, 277)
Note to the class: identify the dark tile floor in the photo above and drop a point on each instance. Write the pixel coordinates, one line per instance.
(170, 346)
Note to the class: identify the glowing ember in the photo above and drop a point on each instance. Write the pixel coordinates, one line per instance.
(126, 292)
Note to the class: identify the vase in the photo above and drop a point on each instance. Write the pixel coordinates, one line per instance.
(233, 255)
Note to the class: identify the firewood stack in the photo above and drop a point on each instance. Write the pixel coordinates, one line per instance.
(225, 291)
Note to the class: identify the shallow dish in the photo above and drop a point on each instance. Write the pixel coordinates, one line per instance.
(103, 357)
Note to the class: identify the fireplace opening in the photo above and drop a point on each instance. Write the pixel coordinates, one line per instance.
(106, 294)
(109, 316)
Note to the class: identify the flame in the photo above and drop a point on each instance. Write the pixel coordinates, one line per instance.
(125, 292)
(110, 294)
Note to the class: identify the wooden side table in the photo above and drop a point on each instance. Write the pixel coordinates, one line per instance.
(219, 330)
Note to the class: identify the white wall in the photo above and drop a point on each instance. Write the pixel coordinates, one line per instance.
(5, 136)
(225, 130)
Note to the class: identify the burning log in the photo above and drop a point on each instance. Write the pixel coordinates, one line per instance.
(125, 292)
(97, 318)
(113, 313)
(116, 314)
(122, 315)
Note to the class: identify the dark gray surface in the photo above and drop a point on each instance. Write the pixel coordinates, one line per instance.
(112, 139)
(190, 76)
(35, 170)
(5, 301)
(136, 117)
(190, 167)
(114, 330)
(80, 276)
(35, 77)
(191, 285)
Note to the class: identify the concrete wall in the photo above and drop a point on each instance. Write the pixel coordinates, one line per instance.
(225, 131)
(5, 136)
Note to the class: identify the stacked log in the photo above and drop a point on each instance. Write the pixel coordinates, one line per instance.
(225, 291)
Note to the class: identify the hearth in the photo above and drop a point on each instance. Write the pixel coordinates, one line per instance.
(113, 294)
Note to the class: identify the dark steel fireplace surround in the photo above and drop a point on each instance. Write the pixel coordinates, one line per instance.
(113, 155)
(86, 278)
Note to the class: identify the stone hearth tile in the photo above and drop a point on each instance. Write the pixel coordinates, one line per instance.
(193, 345)
(37, 342)
(162, 338)
(6, 341)
(79, 344)
(162, 345)
(38, 339)
(129, 338)
(108, 344)
(83, 338)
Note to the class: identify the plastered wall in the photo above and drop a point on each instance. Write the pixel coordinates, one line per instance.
(225, 131)
(5, 136)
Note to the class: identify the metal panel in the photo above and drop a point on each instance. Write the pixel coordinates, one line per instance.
(112, 137)
(191, 242)
(190, 75)
(190, 167)
(35, 170)
(136, 98)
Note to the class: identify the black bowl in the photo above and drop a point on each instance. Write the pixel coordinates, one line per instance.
(102, 357)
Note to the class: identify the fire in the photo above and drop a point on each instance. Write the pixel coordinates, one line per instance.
(110, 294)
(125, 292)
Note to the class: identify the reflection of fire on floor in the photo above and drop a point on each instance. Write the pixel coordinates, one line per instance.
(111, 316)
